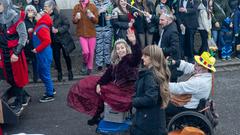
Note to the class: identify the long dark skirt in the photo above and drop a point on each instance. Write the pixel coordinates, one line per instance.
(83, 97)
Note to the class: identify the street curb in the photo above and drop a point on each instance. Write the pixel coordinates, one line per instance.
(221, 66)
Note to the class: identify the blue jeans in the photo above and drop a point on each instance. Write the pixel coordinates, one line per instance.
(215, 34)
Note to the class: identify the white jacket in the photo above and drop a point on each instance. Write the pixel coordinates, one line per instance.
(199, 85)
(204, 22)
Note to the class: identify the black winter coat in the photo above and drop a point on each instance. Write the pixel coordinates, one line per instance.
(170, 41)
(63, 36)
(170, 46)
(189, 19)
(149, 118)
(29, 46)
(120, 24)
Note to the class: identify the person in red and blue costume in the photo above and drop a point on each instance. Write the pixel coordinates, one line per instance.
(13, 37)
(43, 51)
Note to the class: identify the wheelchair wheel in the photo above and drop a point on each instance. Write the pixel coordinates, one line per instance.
(190, 118)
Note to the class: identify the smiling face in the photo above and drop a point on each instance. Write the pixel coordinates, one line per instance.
(146, 61)
(122, 3)
(121, 50)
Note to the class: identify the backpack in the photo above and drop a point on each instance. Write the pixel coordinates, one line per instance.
(210, 112)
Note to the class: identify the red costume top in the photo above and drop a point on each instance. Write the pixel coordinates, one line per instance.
(16, 73)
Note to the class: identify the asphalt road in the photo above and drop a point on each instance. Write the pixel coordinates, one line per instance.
(56, 118)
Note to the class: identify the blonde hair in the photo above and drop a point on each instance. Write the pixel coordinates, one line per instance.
(161, 71)
(114, 56)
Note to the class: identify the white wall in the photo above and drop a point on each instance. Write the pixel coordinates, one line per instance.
(66, 4)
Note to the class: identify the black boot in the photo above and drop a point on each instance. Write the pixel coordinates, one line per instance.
(95, 120)
(18, 108)
(70, 75)
(59, 76)
(84, 69)
(89, 71)
(97, 117)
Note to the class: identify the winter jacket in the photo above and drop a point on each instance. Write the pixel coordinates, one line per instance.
(44, 33)
(199, 85)
(236, 21)
(191, 14)
(149, 117)
(29, 46)
(170, 41)
(226, 36)
(120, 23)
(170, 46)
(205, 23)
(140, 21)
(233, 4)
(125, 71)
(63, 36)
(85, 26)
(221, 10)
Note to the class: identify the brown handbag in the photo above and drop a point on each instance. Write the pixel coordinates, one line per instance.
(180, 100)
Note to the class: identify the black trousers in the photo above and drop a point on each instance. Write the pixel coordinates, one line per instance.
(204, 38)
(172, 110)
(57, 47)
(189, 43)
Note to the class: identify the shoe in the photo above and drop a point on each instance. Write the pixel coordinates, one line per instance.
(18, 109)
(46, 99)
(26, 100)
(94, 121)
(70, 75)
(107, 65)
(99, 68)
(54, 93)
(229, 58)
(224, 58)
(89, 71)
(84, 69)
(59, 76)
(13, 104)
(238, 56)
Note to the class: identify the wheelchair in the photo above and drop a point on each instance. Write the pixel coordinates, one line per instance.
(199, 119)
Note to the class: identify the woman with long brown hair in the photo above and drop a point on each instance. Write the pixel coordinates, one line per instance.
(152, 94)
(121, 20)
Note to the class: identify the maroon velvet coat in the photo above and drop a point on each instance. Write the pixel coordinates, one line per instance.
(125, 72)
(117, 87)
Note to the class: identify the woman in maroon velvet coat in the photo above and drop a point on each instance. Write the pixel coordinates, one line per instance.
(115, 87)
